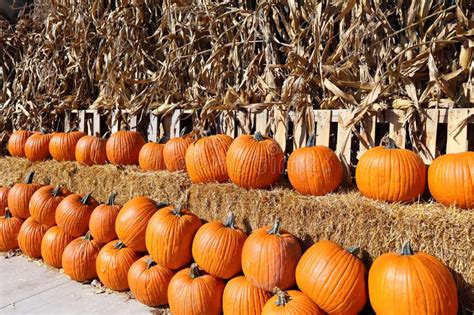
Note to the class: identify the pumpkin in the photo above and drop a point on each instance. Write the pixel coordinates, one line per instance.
(391, 174)
(90, 150)
(254, 161)
(289, 303)
(29, 237)
(174, 153)
(269, 257)
(19, 197)
(3, 199)
(112, 264)
(9, 228)
(53, 244)
(37, 146)
(169, 236)
(242, 298)
(79, 258)
(44, 201)
(217, 248)
(149, 281)
(16, 143)
(411, 283)
(151, 156)
(205, 159)
(62, 145)
(332, 277)
(123, 147)
(102, 220)
(132, 221)
(314, 170)
(73, 214)
(192, 292)
(451, 179)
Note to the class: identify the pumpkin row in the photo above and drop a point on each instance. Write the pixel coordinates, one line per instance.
(166, 255)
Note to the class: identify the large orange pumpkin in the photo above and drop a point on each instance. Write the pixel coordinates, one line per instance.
(3, 199)
(16, 143)
(29, 237)
(314, 170)
(53, 244)
(332, 277)
(205, 159)
(79, 258)
(242, 298)
(102, 220)
(451, 179)
(411, 283)
(123, 147)
(174, 153)
(149, 281)
(62, 145)
(269, 257)
(217, 248)
(169, 236)
(254, 161)
(291, 303)
(73, 214)
(90, 150)
(192, 292)
(9, 229)
(37, 146)
(391, 174)
(44, 201)
(112, 264)
(19, 197)
(151, 156)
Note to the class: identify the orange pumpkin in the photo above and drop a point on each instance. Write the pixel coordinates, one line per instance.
(149, 281)
(192, 292)
(217, 248)
(16, 143)
(174, 153)
(254, 161)
(62, 145)
(205, 159)
(44, 201)
(102, 220)
(37, 146)
(291, 303)
(314, 170)
(242, 298)
(169, 236)
(3, 199)
(73, 214)
(29, 237)
(123, 147)
(90, 150)
(451, 179)
(19, 197)
(112, 264)
(9, 229)
(151, 156)
(269, 258)
(53, 244)
(326, 268)
(391, 174)
(411, 283)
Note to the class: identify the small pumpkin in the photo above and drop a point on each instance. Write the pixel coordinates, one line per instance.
(151, 156)
(411, 283)
(19, 197)
(391, 174)
(90, 150)
(73, 214)
(174, 152)
(192, 292)
(269, 257)
(254, 161)
(169, 236)
(290, 303)
(37, 146)
(62, 145)
(44, 201)
(16, 142)
(123, 147)
(3, 199)
(314, 170)
(242, 298)
(29, 237)
(217, 248)
(149, 281)
(451, 179)
(53, 244)
(102, 220)
(79, 258)
(326, 268)
(205, 159)
(9, 229)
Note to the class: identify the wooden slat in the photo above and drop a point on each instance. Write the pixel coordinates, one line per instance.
(115, 121)
(175, 123)
(343, 146)
(67, 121)
(152, 130)
(323, 126)
(280, 128)
(429, 139)
(457, 131)
(132, 122)
(397, 131)
(367, 132)
(261, 121)
(82, 120)
(243, 122)
(96, 124)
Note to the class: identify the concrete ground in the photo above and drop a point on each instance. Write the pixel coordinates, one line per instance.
(30, 287)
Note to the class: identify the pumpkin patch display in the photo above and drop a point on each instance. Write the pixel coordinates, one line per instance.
(62, 145)
(240, 297)
(30, 236)
(90, 150)
(53, 244)
(174, 152)
(16, 142)
(19, 197)
(37, 146)
(291, 303)
(123, 147)
(3, 199)
(44, 201)
(9, 229)
(151, 156)
(73, 214)
(79, 258)
(102, 220)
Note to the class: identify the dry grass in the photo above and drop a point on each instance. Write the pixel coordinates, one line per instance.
(344, 217)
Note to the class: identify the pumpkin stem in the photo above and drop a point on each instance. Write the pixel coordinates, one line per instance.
(283, 297)
(391, 144)
(29, 177)
(206, 133)
(182, 132)
(8, 214)
(311, 140)
(230, 221)
(111, 200)
(353, 250)
(88, 236)
(275, 230)
(163, 140)
(85, 199)
(119, 245)
(150, 263)
(406, 249)
(258, 136)
(178, 211)
(57, 190)
(43, 130)
(194, 271)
